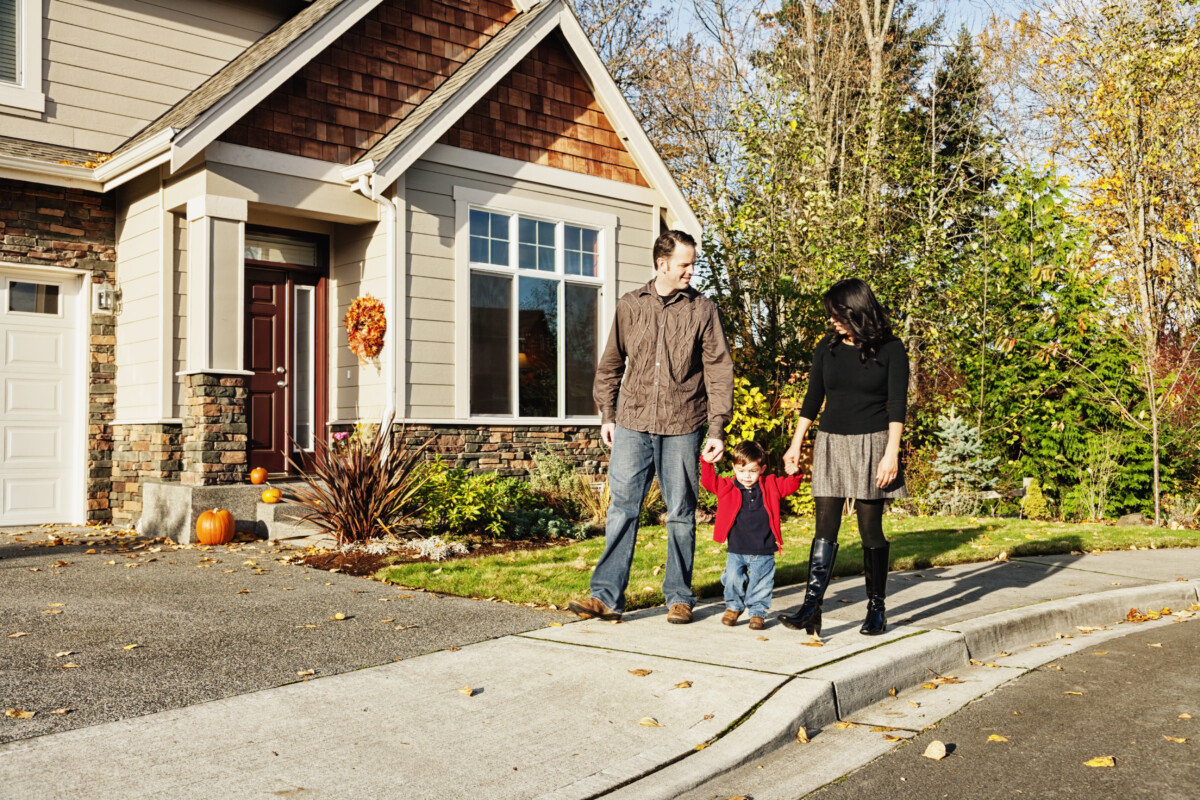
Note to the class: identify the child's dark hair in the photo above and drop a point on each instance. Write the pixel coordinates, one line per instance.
(748, 451)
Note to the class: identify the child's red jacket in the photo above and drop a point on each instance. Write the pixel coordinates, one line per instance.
(729, 499)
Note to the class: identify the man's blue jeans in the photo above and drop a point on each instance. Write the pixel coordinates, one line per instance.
(748, 581)
(636, 458)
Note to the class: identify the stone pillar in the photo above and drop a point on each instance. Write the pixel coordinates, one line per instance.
(215, 433)
(141, 451)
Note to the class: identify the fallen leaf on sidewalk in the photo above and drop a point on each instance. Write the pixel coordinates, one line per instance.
(765, 639)
(995, 737)
(683, 685)
(1090, 629)
(802, 735)
(813, 644)
(888, 737)
(914, 705)
(641, 673)
(1063, 636)
(304, 673)
(882, 729)
(846, 725)
(935, 751)
(892, 691)
(1100, 653)
(467, 690)
(1185, 715)
(1101, 761)
(975, 662)
(650, 722)
(16, 713)
(556, 624)
(1176, 739)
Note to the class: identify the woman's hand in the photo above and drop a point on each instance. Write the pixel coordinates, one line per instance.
(791, 459)
(889, 468)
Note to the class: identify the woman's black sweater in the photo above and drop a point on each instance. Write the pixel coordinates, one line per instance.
(859, 397)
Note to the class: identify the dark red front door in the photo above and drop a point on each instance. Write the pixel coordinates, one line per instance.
(267, 357)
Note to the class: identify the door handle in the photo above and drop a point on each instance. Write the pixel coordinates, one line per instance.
(281, 384)
(280, 370)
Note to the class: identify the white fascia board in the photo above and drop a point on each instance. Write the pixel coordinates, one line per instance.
(466, 97)
(127, 166)
(237, 155)
(626, 123)
(233, 106)
(540, 173)
(36, 171)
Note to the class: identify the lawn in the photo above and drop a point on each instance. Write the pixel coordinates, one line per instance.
(555, 575)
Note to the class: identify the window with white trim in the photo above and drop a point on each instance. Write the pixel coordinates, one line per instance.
(21, 55)
(535, 291)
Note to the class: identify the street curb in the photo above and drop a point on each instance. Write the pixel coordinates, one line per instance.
(863, 679)
(1006, 630)
(799, 702)
(867, 678)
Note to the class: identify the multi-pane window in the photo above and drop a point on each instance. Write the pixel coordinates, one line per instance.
(535, 288)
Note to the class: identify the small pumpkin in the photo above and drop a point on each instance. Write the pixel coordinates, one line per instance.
(272, 495)
(215, 527)
(258, 475)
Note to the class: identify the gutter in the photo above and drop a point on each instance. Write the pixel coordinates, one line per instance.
(101, 178)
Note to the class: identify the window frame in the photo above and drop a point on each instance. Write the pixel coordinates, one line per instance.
(561, 214)
(26, 92)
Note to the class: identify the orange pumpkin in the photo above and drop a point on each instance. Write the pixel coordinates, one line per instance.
(271, 496)
(258, 475)
(215, 527)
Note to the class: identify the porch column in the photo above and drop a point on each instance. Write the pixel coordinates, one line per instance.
(216, 242)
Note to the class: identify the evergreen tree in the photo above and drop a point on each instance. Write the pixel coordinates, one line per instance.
(962, 470)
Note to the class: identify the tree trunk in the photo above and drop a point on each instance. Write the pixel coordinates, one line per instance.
(876, 22)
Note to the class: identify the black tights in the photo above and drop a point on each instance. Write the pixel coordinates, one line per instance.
(870, 520)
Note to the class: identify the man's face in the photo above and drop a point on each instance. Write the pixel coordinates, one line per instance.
(675, 273)
(747, 474)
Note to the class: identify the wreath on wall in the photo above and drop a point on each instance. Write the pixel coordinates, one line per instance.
(366, 323)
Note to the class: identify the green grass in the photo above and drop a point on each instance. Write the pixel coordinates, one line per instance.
(555, 575)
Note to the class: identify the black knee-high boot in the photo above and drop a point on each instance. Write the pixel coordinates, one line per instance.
(875, 562)
(820, 567)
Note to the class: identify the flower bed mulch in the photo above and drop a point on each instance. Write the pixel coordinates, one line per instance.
(363, 564)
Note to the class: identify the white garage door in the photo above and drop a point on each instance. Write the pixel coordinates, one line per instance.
(41, 458)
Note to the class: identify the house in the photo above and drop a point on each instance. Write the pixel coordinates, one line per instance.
(192, 193)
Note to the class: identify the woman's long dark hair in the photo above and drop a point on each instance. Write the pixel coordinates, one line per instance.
(851, 302)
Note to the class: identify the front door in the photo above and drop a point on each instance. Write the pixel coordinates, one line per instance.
(284, 352)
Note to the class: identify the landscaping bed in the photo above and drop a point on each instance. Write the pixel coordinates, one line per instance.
(365, 564)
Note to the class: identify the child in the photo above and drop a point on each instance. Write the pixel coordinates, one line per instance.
(748, 517)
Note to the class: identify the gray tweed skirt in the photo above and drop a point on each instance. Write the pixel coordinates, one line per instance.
(845, 466)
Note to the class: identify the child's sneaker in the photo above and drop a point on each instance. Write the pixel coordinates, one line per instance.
(757, 623)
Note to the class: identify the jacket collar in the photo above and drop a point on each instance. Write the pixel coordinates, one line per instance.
(688, 294)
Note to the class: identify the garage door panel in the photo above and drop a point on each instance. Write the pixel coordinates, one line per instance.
(32, 446)
(33, 397)
(32, 498)
(33, 349)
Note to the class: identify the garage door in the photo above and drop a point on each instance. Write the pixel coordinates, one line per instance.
(41, 460)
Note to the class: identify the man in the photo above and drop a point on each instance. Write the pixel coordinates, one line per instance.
(665, 373)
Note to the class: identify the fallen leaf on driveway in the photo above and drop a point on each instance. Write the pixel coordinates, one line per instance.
(16, 713)
(131, 646)
(556, 624)
(1156, 644)
(62, 712)
(1101, 761)
(995, 737)
(17, 635)
(1077, 694)
(467, 690)
(1176, 739)
(52, 611)
(1100, 653)
(64, 653)
(389, 619)
(1185, 715)
(305, 673)
(802, 735)
(935, 751)
(71, 665)
(338, 617)
(650, 722)
(641, 673)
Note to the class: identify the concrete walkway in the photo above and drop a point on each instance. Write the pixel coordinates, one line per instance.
(638, 709)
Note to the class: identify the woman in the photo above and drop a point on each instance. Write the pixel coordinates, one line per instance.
(860, 372)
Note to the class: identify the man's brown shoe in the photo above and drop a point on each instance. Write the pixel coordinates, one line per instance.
(757, 623)
(680, 614)
(730, 617)
(592, 607)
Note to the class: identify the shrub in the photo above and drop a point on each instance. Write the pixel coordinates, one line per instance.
(1034, 505)
(962, 471)
(801, 501)
(653, 506)
(457, 501)
(435, 549)
(361, 488)
(538, 523)
(1096, 475)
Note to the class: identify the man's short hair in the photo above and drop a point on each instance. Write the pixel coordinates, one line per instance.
(748, 451)
(664, 245)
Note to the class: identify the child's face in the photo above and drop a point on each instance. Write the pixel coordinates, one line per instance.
(747, 474)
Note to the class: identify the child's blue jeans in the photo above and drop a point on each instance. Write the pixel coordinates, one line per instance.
(748, 582)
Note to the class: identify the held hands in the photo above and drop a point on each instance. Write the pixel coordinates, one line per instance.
(889, 468)
(791, 459)
(714, 450)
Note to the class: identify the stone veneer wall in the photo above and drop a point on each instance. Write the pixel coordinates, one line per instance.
(508, 450)
(152, 450)
(215, 432)
(55, 227)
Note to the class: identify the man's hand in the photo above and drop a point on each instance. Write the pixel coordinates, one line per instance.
(714, 450)
(606, 433)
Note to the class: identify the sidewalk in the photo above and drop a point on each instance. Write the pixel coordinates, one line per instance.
(559, 712)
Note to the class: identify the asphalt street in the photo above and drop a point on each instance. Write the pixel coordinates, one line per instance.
(113, 626)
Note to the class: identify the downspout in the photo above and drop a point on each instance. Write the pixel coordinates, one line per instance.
(387, 212)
